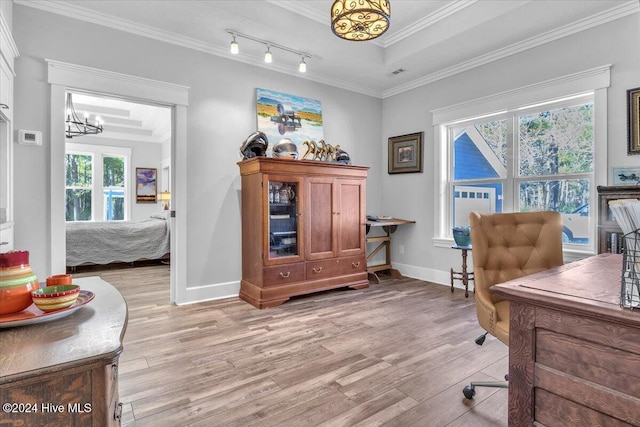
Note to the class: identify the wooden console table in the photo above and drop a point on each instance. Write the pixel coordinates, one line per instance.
(574, 353)
(384, 242)
(67, 368)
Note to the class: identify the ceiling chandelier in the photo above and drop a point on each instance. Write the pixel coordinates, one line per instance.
(360, 20)
(76, 126)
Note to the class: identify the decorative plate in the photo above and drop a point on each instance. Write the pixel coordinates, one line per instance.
(32, 314)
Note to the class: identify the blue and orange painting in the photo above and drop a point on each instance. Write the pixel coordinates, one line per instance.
(281, 115)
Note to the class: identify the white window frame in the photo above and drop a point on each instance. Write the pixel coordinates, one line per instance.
(98, 152)
(595, 80)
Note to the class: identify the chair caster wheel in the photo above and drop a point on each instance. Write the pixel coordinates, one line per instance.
(469, 392)
(481, 338)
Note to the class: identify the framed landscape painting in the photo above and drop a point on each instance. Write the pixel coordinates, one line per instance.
(146, 185)
(405, 153)
(282, 115)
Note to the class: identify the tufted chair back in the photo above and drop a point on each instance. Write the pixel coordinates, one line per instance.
(507, 246)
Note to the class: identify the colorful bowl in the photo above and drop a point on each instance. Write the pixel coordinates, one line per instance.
(52, 298)
(17, 281)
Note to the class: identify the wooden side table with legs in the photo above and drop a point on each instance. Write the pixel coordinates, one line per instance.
(464, 276)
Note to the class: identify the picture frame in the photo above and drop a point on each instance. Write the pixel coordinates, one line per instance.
(405, 153)
(146, 185)
(625, 176)
(633, 120)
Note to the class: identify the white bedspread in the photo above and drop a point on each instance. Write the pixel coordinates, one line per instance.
(112, 241)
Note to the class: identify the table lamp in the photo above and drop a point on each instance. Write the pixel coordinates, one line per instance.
(165, 198)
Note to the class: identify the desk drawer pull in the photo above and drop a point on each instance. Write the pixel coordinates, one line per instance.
(355, 264)
(317, 270)
(285, 275)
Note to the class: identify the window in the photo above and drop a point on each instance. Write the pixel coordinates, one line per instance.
(96, 183)
(526, 157)
(79, 187)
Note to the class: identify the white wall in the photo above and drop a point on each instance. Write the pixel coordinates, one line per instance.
(616, 43)
(221, 114)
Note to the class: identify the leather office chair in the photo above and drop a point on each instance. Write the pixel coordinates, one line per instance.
(507, 246)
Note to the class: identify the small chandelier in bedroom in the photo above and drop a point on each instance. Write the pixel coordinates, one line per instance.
(360, 20)
(77, 127)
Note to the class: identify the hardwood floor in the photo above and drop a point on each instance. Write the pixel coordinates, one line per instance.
(395, 354)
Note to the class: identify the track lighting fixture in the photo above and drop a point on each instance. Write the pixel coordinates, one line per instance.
(234, 46)
(268, 57)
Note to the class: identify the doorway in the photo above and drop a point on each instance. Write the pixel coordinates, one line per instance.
(63, 77)
(108, 224)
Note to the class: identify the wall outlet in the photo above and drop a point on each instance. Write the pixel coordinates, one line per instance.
(401, 249)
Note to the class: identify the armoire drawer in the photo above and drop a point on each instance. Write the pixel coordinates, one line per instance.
(335, 267)
(281, 274)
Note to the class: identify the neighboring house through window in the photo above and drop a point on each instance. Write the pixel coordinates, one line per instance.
(537, 148)
(97, 182)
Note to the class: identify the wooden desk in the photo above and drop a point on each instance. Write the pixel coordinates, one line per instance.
(389, 226)
(574, 353)
(68, 367)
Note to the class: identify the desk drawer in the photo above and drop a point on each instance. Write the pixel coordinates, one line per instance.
(335, 267)
(281, 274)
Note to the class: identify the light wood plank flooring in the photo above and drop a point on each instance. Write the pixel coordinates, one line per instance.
(395, 354)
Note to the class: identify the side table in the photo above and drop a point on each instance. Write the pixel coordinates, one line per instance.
(389, 225)
(464, 275)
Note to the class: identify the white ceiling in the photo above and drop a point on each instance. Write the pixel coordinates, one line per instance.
(124, 120)
(428, 39)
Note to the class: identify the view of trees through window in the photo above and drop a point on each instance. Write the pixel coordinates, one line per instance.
(546, 156)
(79, 187)
(82, 192)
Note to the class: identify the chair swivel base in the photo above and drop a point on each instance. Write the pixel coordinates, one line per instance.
(470, 390)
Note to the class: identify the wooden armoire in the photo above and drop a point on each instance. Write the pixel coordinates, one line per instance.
(303, 228)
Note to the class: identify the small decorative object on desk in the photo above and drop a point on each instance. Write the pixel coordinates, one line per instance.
(627, 214)
(462, 235)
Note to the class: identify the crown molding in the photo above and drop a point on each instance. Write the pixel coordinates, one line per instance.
(77, 12)
(621, 11)
(429, 20)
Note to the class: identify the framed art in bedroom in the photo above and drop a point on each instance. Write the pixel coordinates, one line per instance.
(146, 185)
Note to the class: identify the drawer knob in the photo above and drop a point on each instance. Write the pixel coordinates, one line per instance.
(355, 264)
(317, 270)
(285, 275)
(4, 243)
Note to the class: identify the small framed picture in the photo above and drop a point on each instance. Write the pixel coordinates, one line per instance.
(146, 185)
(633, 120)
(626, 176)
(405, 153)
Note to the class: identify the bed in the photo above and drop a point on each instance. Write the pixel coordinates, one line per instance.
(117, 241)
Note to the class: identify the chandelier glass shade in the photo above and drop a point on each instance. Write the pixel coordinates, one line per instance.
(78, 127)
(360, 20)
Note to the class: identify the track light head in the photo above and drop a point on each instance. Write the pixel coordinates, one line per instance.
(234, 46)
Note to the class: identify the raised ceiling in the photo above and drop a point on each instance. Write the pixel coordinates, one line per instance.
(428, 40)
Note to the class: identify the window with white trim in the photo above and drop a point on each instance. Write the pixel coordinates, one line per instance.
(534, 156)
(96, 183)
